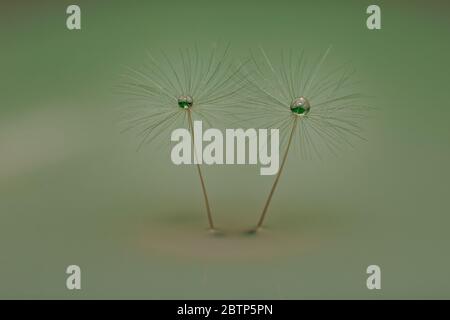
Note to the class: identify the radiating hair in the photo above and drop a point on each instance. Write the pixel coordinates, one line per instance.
(337, 107)
(209, 76)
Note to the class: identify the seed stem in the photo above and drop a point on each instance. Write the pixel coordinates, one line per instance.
(269, 198)
(205, 195)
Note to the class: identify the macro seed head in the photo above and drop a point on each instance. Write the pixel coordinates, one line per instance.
(185, 102)
(300, 106)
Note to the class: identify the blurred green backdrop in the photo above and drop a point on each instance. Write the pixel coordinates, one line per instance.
(73, 190)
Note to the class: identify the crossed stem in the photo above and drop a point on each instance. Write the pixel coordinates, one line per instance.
(275, 183)
(202, 181)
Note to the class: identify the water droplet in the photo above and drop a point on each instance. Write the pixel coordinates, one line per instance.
(300, 106)
(185, 102)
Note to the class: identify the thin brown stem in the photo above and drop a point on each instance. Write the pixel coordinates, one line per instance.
(202, 181)
(269, 198)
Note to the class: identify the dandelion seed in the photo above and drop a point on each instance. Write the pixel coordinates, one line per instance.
(318, 109)
(169, 92)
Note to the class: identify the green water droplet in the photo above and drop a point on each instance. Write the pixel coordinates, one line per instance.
(185, 102)
(300, 106)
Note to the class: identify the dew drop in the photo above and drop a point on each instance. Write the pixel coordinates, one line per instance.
(185, 102)
(300, 106)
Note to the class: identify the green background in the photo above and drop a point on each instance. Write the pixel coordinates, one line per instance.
(73, 190)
